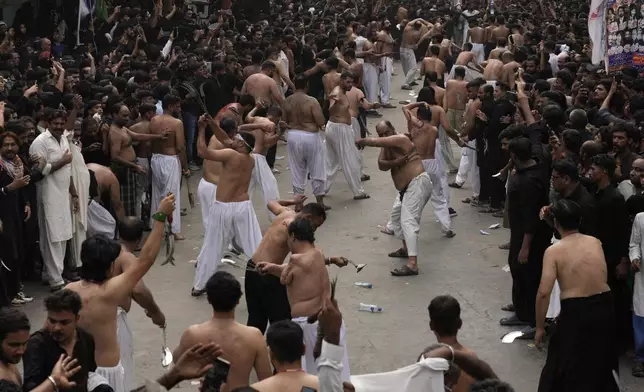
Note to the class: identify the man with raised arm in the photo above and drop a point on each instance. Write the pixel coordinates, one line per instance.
(231, 214)
(102, 294)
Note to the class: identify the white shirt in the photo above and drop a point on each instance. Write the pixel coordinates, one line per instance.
(284, 59)
(635, 250)
(54, 201)
(330, 368)
(553, 61)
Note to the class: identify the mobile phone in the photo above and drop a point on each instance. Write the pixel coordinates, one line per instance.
(307, 389)
(217, 375)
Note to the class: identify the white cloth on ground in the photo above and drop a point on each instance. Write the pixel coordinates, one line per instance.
(446, 150)
(406, 213)
(468, 164)
(342, 152)
(264, 178)
(635, 250)
(384, 79)
(226, 221)
(307, 156)
(100, 221)
(207, 193)
(425, 375)
(142, 185)
(438, 199)
(370, 81)
(355, 124)
(166, 178)
(310, 332)
(126, 345)
(115, 377)
(80, 178)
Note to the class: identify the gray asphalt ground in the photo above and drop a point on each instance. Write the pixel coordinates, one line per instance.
(468, 267)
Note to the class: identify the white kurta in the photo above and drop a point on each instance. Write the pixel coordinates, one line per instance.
(636, 249)
(80, 177)
(426, 375)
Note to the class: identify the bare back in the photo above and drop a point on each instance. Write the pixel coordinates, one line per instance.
(244, 347)
(465, 58)
(307, 282)
(456, 94)
(175, 141)
(434, 64)
(235, 178)
(303, 112)
(261, 87)
(288, 382)
(580, 266)
(424, 138)
(493, 69)
(330, 80)
(477, 35)
(142, 148)
(212, 169)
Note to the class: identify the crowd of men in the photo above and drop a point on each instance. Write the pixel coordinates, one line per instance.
(100, 128)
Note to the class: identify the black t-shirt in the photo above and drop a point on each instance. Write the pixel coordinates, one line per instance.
(230, 82)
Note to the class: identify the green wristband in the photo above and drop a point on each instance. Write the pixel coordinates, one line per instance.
(160, 217)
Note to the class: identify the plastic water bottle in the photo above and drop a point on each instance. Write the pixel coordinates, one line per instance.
(370, 308)
(363, 284)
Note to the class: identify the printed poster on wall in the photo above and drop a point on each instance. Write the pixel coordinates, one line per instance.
(625, 40)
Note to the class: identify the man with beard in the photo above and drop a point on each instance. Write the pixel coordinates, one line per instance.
(633, 186)
(624, 136)
(14, 211)
(341, 148)
(14, 335)
(60, 336)
(56, 196)
(168, 157)
(124, 160)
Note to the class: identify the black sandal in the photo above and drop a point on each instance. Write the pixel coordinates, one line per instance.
(362, 196)
(400, 253)
(404, 271)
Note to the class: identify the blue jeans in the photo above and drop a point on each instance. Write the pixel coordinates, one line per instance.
(190, 128)
(638, 334)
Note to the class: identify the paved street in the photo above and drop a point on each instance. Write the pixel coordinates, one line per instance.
(468, 266)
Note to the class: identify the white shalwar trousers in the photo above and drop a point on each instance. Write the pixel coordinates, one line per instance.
(53, 252)
(310, 332)
(126, 345)
(166, 178)
(438, 155)
(342, 152)
(115, 377)
(438, 198)
(406, 213)
(307, 156)
(409, 64)
(264, 177)
(384, 78)
(226, 221)
(142, 185)
(355, 124)
(100, 221)
(370, 81)
(479, 52)
(468, 163)
(207, 193)
(446, 149)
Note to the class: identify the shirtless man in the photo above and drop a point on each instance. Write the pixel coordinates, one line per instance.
(143, 153)
(424, 135)
(384, 46)
(262, 86)
(412, 33)
(358, 101)
(509, 69)
(493, 70)
(306, 156)
(455, 99)
(256, 66)
(236, 110)
(501, 47)
(434, 64)
(131, 233)
(439, 92)
(307, 286)
(105, 208)
(169, 160)
(265, 296)
(371, 69)
(231, 214)
(355, 67)
(516, 38)
(466, 56)
(102, 294)
(587, 310)
(476, 34)
(285, 340)
(244, 347)
(500, 31)
(490, 42)
(341, 150)
(281, 76)
(266, 131)
(124, 159)
(330, 81)
(398, 154)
